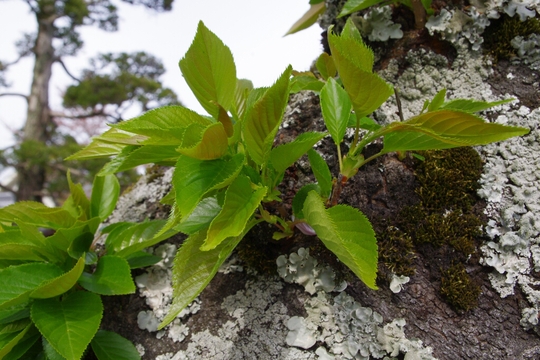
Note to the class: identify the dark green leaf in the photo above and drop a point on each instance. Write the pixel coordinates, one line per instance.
(105, 192)
(206, 210)
(285, 155)
(108, 345)
(321, 172)
(80, 245)
(142, 259)
(112, 277)
(352, 6)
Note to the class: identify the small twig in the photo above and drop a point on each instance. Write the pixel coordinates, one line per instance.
(398, 101)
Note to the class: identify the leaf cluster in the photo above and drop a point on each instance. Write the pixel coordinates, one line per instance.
(50, 304)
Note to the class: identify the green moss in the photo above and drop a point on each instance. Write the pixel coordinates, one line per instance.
(396, 252)
(498, 36)
(458, 288)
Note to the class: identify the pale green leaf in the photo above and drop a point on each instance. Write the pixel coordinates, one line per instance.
(60, 284)
(68, 325)
(308, 19)
(133, 156)
(352, 6)
(212, 143)
(321, 171)
(444, 129)
(134, 237)
(206, 210)
(97, 149)
(79, 198)
(108, 345)
(285, 155)
(111, 277)
(347, 233)
(364, 123)
(193, 269)
(105, 193)
(472, 106)
(437, 101)
(263, 119)
(349, 50)
(243, 88)
(14, 245)
(336, 108)
(300, 198)
(18, 282)
(209, 70)
(119, 136)
(305, 82)
(37, 214)
(241, 201)
(326, 67)
(193, 179)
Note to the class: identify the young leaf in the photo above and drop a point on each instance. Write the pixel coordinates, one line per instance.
(60, 284)
(97, 149)
(437, 101)
(364, 123)
(326, 67)
(243, 88)
(201, 217)
(193, 179)
(68, 325)
(262, 120)
(336, 108)
(133, 237)
(240, 203)
(108, 345)
(63, 238)
(209, 70)
(15, 246)
(285, 155)
(472, 106)
(133, 156)
(79, 198)
(444, 129)
(347, 233)
(112, 277)
(352, 6)
(308, 19)
(193, 269)
(210, 144)
(105, 192)
(300, 198)
(37, 214)
(18, 282)
(321, 172)
(349, 49)
(305, 82)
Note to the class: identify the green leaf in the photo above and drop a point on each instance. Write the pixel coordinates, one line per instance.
(300, 198)
(105, 193)
(68, 325)
(108, 345)
(263, 119)
(352, 6)
(14, 313)
(15, 246)
(24, 344)
(133, 156)
(142, 259)
(79, 198)
(9, 341)
(472, 106)
(201, 217)
(112, 277)
(134, 237)
(119, 136)
(243, 88)
(285, 155)
(308, 19)
(364, 123)
(209, 70)
(210, 144)
(437, 101)
(18, 282)
(108, 144)
(241, 201)
(349, 50)
(193, 179)
(305, 82)
(60, 284)
(326, 67)
(321, 172)
(336, 108)
(63, 238)
(37, 214)
(163, 126)
(49, 351)
(444, 129)
(347, 233)
(193, 269)
(80, 245)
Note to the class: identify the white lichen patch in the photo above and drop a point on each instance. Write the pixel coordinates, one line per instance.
(377, 24)
(397, 282)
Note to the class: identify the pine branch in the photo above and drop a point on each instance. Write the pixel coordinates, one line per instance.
(59, 60)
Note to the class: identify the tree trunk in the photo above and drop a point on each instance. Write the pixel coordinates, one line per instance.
(31, 173)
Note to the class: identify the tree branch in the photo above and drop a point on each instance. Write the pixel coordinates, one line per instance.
(15, 94)
(5, 188)
(80, 116)
(59, 60)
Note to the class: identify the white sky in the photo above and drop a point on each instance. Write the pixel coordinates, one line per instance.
(253, 30)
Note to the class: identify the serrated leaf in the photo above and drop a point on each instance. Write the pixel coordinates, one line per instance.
(241, 201)
(112, 277)
(108, 345)
(18, 282)
(241, 94)
(305, 82)
(68, 325)
(437, 101)
(211, 143)
(308, 19)
(300, 198)
(118, 136)
(79, 198)
(193, 269)
(226, 121)
(263, 119)
(321, 171)
(209, 70)
(336, 108)
(14, 313)
(9, 341)
(352, 6)
(285, 155)
(15, 246)
(63, 238)
(80, 245)
(49, 351)
(37, 214)
(163, 126)
(97, 149)
(326, 67)
(349, 50)
(472, 106)
(201, 217)
(133, 156)
(444, 129)
(347, 233)
(105, 193)
(60, 284)
(194, 178)
(134, 237)
(142, 259)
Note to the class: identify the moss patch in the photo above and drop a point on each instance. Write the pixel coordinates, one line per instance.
(498, 36)
(396, 252)
(458, 288)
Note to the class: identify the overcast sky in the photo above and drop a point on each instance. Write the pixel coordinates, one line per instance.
(253, 30)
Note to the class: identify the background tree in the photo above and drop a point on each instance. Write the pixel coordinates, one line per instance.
(57, 37)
